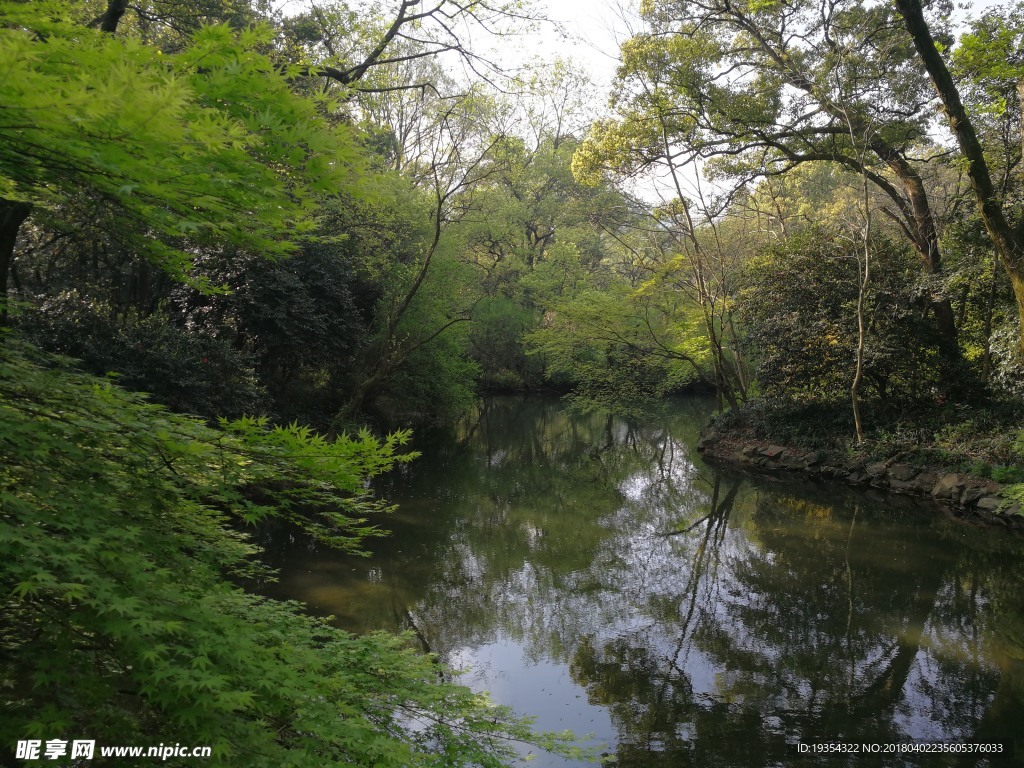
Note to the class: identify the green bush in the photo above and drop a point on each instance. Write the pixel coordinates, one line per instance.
(799, 306)
(808, 425)
(1003, 474)
(980, 469)
(188, 372)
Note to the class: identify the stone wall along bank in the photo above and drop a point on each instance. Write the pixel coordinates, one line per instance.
(968, 496)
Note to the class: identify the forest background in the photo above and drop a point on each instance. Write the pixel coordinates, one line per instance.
(306, 230)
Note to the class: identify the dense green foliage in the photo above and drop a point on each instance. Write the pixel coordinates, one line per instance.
(288, 225)
(215, 146)
(447, 238)
(199, 374)
(118, 624)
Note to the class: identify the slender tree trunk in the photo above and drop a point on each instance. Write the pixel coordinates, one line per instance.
(385, 361)
(863, 280)
(361, 395)
(1020, 99)
(12, 215)
(990, 303)
(723, 387)
(961, 313)
(864, 276)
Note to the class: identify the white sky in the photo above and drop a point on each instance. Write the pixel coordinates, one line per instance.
(595, 28)
(586, 32)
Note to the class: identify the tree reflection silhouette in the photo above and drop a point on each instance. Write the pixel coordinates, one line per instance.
(717, 620)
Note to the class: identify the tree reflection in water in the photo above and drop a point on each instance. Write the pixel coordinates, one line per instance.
(700, 618)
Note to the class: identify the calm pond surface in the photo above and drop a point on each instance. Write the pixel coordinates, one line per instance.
(596, 574)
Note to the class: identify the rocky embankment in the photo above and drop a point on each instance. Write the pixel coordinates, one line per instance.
(969, 497)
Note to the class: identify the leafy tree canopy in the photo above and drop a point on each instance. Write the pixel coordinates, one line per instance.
(210, 144)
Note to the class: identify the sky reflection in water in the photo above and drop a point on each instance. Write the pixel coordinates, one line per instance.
(595, 573)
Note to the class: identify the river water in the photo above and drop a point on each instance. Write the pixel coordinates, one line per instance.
(593, 572)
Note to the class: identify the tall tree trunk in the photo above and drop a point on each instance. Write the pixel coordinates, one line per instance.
(917, 222)
(361, 395)
(112, 16)
(923, 236)
(1009, 242)
(12, 215)
(723, 387)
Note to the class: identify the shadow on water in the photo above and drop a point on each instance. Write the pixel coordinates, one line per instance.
(592, 571)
